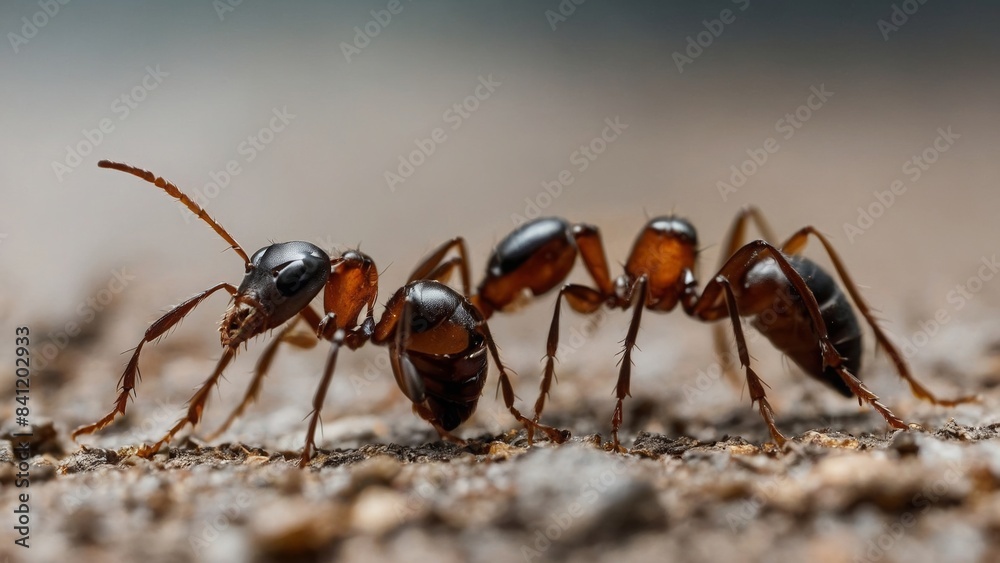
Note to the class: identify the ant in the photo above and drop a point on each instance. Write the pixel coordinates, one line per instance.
(437, 340)
(789, 299)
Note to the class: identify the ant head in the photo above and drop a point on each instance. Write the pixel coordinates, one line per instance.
(665, 252)
(281, 280)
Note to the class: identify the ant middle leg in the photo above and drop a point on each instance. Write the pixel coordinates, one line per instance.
(796, 243)
(623, 385)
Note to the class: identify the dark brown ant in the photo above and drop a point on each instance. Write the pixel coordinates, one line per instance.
(791, 300)
(438, 341)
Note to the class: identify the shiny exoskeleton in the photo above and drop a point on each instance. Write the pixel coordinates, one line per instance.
(437, 340)
(789, 299)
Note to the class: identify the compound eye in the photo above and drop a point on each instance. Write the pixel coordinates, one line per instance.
(291, 277)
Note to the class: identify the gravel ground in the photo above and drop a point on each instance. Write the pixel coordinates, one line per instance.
(700, 482)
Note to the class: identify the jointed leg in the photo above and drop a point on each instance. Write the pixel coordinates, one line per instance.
(735, 238)
(555, 435)
(755, 384)
(296, 339)
(737, 266)
(434, 267)
(195, 406)
(126, 384)
(625, 372)
(324, 384)
(583, 300)
(588, 241)
(795, 245)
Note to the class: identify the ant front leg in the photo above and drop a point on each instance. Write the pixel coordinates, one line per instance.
(195, 406)
(754, 382)
(622, 387)
(127, 383)
(796, 243)
(735, 238)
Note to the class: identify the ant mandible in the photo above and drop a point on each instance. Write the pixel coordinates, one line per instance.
(814, 325)
(437, 340)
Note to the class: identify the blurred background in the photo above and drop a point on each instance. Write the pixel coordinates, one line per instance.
(396, 125)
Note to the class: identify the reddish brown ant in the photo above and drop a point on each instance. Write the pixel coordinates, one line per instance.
(438, 341)
(815, 326)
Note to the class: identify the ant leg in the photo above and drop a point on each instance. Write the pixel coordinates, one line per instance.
(721, 353)
(588, 241)
(754, 382)
(320, 397)
(796, 243)
(296, 339)
(431, 267)
(738, 265)
(625, 372)
(127, 382)
(442, 273)
(195, 406)
(504, 385)
(734, 239)
(583, 300)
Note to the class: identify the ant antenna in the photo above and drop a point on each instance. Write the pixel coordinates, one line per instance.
(175, 192)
